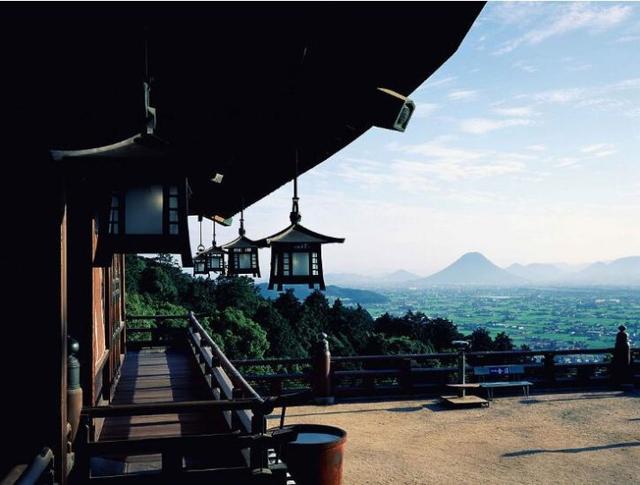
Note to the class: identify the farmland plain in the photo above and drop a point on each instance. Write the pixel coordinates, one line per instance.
(545, 317)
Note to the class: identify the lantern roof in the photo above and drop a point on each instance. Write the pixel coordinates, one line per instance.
(297, 233)
(212, 249)
(242, 242)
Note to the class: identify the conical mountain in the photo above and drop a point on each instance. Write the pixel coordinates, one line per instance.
(473, 269)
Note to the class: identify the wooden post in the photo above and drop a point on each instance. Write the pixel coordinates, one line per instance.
(406, 383)
(321, 381)
(276, 387)
(236, 393)
(81, 468)
(621, 362)
(258, 427)
(549, 368)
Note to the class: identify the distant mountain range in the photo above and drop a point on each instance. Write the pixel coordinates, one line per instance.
(623, 271)
(347, 295)
(475, 269)
(537, 272)
(397, 278)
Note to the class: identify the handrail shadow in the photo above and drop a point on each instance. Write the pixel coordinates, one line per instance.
(629, 444)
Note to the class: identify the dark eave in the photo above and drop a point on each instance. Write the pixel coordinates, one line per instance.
(238, 89)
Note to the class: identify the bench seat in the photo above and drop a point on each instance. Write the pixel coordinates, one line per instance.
(490, 386)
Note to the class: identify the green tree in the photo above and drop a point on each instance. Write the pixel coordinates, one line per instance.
(283, 341)
(237, 292)
(314, 319)
(440, 332)
(379, 344)
(481, 340)
(502, 342)
(156, 282)
(241, 337)
(289, 307)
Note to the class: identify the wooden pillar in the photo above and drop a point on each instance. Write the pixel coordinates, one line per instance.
(33, 344)
(549, 368)
(621, 362)
(321, 381)
(80, 281)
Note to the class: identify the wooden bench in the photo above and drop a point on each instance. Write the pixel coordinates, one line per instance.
(504, 373)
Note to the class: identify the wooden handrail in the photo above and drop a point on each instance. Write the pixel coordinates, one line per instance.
(272, 361)
(39, 471)
(157, 317)
(224, 362)
(155, 329)
(169, 407)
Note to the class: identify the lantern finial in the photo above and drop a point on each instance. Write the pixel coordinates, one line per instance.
(241, 231)
(294, 215)
(200, 247)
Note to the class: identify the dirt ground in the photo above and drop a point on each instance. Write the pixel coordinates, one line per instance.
(551, 439)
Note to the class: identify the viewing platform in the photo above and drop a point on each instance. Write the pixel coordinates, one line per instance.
(577, 437)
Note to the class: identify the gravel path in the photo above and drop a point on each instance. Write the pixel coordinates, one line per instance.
(552, 439)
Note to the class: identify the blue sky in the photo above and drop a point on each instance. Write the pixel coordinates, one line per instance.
(524, 146)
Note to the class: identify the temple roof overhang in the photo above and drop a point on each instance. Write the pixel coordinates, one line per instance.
(237, 91)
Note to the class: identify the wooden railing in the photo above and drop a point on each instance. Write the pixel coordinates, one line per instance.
(370, 375)
(38, 472)
(243, 408)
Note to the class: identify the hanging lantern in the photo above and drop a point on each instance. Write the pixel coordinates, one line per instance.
(214, 255)
(200, 261)
(242, 254)
(137, 211)
(296, 257)
(145, 218)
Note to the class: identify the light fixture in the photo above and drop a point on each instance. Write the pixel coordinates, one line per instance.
(296, 257)
(391, 110)
(148, 217)
(242, 254)
(200, 260)
(214, 255)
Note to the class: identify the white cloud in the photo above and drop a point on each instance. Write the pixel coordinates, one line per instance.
(516, 111)
(579, 67)
(607, 97)
(424, 110)
(567, 18)
(563, 162)
(599, 150)
(559, 96)
(451, 163)
(462, 94)
(440, 82)
(586, 153)
(478, 126)
(627, 38)
(453, 171)
(536, 148)
(526, 67)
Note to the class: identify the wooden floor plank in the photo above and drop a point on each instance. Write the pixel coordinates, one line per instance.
(159, 375)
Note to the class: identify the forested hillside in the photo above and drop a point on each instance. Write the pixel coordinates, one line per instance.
(247, 325)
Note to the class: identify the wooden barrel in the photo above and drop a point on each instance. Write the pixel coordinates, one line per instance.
(317, 454)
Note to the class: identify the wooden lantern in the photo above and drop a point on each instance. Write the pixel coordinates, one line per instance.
(242, 254)
(146, 218)
(296, 255)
